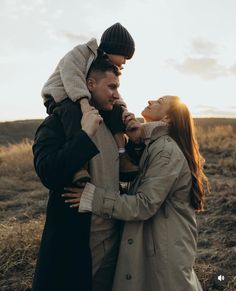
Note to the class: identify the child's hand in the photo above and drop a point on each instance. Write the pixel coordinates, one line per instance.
(85, 106)
(90, 121)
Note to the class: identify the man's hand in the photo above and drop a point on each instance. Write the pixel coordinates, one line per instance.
(90, 121)
(75, 194)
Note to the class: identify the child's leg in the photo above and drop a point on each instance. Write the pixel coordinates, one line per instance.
(70, 117)
(113, 119)
(128, 169)
(50, 104)
(120, 141)
(82, 176)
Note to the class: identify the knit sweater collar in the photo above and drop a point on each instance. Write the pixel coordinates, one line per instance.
(153, 130)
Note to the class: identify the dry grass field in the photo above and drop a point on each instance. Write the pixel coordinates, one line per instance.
(23, 201)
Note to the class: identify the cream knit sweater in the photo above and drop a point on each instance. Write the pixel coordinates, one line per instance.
(69, 77)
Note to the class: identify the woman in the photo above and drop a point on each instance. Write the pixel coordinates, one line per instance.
(159, 239)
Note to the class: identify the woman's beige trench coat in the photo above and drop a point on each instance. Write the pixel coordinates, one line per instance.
(158, 243)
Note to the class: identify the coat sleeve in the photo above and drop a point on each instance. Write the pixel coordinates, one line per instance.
(57, 159)
(161, 175)
(72, 71)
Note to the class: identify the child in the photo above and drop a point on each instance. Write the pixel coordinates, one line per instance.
(69, 80)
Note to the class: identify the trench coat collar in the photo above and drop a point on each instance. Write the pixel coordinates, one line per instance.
(154, 130)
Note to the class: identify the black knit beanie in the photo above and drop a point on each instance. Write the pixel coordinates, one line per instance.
(118, 41)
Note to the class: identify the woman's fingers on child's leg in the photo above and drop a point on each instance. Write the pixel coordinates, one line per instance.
(74, 205)
(74, 189)
(75, 200)
(71, 195)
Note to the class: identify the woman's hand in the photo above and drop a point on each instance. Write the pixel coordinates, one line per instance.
(75, 195)
(127, 117)
(134, 131)
(133, 127)
(90, 121)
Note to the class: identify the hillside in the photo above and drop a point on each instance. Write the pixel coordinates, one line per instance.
(16, 131)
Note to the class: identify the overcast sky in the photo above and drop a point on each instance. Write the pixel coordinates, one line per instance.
(183, 47)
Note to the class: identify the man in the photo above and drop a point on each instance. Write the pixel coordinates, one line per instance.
(64, 261)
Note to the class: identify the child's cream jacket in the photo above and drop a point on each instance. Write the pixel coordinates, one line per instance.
(69, 77)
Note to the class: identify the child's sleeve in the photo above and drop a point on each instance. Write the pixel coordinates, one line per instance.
(72, 71)
(113, 119)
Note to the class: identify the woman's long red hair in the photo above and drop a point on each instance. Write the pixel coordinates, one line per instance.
(182, 130)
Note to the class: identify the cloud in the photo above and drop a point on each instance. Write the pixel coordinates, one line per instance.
(203, 47)
(232, 107)
(205, 68)
(202, 62)
(28, 26)
(208, 111)
(232, 69)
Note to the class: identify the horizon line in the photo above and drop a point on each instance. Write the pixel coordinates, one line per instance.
(194, 116)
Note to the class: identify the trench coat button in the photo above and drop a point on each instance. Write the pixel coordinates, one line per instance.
(128, 277)
(130, 241)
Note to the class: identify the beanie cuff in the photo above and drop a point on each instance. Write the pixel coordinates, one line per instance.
(117, 49)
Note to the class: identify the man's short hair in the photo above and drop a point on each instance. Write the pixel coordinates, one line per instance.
(102, 65)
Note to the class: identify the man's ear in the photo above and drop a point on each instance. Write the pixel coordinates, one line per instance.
(91, 83)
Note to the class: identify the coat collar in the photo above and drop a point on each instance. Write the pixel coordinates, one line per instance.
(92, 45)
(153, 130)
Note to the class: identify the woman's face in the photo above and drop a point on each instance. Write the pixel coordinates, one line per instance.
(156, 110)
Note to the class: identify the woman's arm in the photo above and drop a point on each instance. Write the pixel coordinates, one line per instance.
(162, 173)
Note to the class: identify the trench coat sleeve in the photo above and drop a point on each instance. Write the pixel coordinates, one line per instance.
(161, 175)
(72, 71)
(57, 159)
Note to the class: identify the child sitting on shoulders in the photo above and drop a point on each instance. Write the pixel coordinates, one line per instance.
(69, 80)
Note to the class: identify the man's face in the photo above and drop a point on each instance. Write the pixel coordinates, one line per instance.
(104, 90)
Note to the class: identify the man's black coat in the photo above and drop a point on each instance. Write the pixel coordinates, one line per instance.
(64, 260)
(60, 149)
